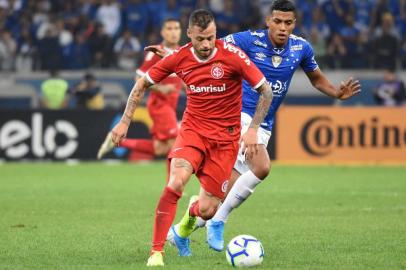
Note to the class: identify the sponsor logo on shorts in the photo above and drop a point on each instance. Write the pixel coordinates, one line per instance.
(224, 186)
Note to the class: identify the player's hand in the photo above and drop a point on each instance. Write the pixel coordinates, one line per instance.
(348, 89)
(157, 50)
(119, 132)
(249, 143)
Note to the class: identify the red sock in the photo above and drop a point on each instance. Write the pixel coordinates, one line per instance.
(194, 209)
(164, 216)
(139, 145)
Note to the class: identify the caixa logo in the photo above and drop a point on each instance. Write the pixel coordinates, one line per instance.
(320, 135)
(15, 135)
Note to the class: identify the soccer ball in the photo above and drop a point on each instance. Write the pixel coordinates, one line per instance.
(244, 251)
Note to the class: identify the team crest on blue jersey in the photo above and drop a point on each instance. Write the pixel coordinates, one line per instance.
(276, 60)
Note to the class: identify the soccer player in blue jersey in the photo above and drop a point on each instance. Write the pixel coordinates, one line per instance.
(278, 54)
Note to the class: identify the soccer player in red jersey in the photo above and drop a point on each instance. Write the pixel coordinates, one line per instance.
(161, 104)
(207, 143)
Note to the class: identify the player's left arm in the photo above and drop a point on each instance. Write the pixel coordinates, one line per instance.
(309, 65)
(345, 90)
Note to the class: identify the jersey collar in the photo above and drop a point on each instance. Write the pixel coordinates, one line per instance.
(205, 60)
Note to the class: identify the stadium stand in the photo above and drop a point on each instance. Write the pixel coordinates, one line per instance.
(82, 34)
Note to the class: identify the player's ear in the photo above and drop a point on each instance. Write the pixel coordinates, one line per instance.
(268, 19)
(189, 32)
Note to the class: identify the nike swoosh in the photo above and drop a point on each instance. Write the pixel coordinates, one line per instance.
(185, 73)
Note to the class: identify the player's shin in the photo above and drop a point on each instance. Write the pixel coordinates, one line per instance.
(241, 190)
(164, 216)
(187, 224)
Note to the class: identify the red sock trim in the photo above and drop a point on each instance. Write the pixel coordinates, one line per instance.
(194, 209)
(139, 145)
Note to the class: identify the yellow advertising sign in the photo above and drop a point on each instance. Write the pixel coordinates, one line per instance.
(374, 134)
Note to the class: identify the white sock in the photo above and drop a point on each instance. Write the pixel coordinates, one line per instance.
(200, 222)
(241, 190)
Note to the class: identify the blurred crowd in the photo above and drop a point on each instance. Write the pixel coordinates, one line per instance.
(79, 34)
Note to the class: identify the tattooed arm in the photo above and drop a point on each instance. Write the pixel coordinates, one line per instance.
(250, 138)
(120, 130)
(263, 105)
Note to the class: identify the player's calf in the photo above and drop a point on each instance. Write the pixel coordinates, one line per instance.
(260, 164)
(261, 169)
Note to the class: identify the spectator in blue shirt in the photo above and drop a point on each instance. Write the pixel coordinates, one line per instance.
(227, 21)
(136, 16)
(335, 11)
(78, 53)
(350, 37)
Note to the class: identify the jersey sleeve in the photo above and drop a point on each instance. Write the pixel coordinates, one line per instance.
(162, 69)
(308, 63)
(150, 59)
(249, 70)
(240, 39)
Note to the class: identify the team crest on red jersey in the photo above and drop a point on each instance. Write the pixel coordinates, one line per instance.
(217, 71)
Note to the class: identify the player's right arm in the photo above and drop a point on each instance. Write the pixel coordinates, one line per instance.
(161, 88)
(250, 136)
(257, 80)
(150, 59)
(157, 73)
(120, 130)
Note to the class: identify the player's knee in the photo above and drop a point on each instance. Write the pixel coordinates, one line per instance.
(208, 212)
(160, 149)
(177, 182)
(262, 169)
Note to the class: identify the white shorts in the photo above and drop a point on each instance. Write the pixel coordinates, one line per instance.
(264, 135)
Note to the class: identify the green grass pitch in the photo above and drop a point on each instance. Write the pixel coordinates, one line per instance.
(98, 216)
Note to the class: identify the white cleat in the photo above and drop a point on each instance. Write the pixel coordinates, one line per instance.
(170, 236)
(106, 146)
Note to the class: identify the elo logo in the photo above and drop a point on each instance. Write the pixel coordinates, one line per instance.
(14, 135)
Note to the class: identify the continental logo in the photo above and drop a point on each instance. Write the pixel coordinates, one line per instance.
(320, 135)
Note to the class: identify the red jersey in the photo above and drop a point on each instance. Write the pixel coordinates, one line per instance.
(156, 99)
(214, 92)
